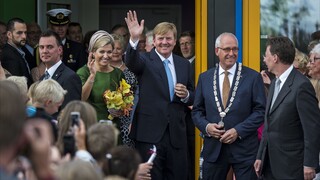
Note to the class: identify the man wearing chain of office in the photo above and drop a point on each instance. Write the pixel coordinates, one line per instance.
(228, 109)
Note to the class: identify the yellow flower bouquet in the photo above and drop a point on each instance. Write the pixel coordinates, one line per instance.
(120, 99)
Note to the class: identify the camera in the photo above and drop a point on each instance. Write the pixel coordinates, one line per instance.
(75, 118)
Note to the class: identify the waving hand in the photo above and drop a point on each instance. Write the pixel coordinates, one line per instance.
(135, 29)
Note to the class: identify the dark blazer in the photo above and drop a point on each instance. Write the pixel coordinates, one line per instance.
(29, 57)
(291, 129)
(69, 81)
(189, 122)
(13, 61)
(191, 132)
(193, 70)
(155, 111)
(245, 115)
(74, 55)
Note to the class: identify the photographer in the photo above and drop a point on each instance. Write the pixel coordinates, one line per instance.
(87, 113)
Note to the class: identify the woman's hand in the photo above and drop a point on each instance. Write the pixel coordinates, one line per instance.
(90, 64)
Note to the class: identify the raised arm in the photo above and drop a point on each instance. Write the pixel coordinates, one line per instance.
(135, 29)
(88, 83)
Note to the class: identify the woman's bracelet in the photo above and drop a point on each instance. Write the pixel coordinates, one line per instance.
(91, 81)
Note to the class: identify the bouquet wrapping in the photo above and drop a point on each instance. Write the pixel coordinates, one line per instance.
(120, 99)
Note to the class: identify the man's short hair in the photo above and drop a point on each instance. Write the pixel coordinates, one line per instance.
(75, 24)
(283, 47)
(188, 34)
(10, 24)
(50, 33)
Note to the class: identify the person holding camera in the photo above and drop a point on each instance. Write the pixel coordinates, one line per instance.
(68, 118)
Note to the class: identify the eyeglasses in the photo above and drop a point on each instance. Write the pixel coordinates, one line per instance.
(227, 50)
(314, 59)
(186, 44)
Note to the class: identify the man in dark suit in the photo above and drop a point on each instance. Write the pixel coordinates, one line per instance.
(187, 47)
(73, 52)
(165, 88)
(13, 58)
(228, 109)
(50, 49)
(290, 145)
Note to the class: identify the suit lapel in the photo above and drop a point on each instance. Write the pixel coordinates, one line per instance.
(233, 84)
(58, 72)
(179, 71)
(218, 86)
(269, 99)
(285, 90)
(158, 67)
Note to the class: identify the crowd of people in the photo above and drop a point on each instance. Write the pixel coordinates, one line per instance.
(54, 113)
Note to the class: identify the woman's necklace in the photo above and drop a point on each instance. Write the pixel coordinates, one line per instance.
(120, 65)
(234, 91)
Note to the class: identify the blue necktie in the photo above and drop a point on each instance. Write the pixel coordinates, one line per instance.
(170, 79)
(46, 75)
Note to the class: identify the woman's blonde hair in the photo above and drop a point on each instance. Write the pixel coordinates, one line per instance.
(121, 40)
(302, 60)
(100, 39)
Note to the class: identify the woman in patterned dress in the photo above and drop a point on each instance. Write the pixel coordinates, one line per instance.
(117, 62)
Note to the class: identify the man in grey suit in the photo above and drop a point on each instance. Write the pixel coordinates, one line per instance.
(289, 148)
(50, 50)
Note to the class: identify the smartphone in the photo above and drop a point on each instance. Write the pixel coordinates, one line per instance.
(75, 118)
(69, 145)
